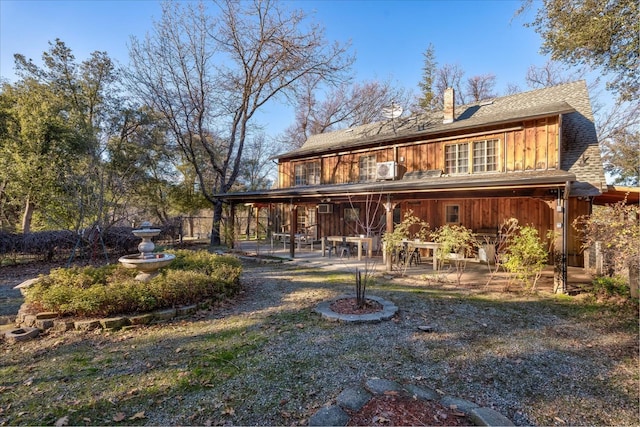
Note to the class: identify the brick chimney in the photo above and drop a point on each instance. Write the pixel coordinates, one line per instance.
(449, 105)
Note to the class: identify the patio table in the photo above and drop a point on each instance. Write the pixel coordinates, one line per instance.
(351, 239)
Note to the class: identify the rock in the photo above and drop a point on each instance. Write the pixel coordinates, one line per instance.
(114, 323)
(29, 320)
(427, 328)
(142, 319)
(488, 417)
(353, 398)
(86, 325)
(62, 325)
(21, 334)
(422, 393)
(329, 416)
(44, 324)
(47, 315)
(457, 403)
(164, 315)
(380, 386)
(186, 310)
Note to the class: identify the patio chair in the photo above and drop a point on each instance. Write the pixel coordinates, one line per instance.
(399, 256)
(330, 247)
(414, 257)
(344, 248)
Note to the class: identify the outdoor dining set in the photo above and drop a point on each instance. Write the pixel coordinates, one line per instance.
(409, 251)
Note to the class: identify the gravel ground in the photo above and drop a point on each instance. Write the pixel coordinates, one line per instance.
(268, 359)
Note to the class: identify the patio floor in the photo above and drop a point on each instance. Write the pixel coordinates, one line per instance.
(475, 271)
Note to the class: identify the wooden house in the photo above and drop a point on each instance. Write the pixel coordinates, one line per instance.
(533, 156)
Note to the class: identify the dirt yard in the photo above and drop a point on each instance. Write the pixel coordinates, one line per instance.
(266, 358)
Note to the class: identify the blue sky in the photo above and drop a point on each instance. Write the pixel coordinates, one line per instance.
(388, 37)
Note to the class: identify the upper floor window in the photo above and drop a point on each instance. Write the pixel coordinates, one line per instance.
(307, 173)
(367, 168)
(456, 158)
(485, 156)
(478, 156)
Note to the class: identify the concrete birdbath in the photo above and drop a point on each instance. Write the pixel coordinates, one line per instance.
(146, 262)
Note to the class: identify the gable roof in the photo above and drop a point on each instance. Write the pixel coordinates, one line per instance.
(580, 153)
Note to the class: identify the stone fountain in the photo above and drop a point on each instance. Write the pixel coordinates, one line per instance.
(146, 262)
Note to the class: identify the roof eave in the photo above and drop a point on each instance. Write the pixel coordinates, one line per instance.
(516, 180)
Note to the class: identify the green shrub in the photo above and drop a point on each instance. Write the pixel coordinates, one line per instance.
(112, 289)
(610, 286)
(456, 244)
(409, 229)
(526, 256)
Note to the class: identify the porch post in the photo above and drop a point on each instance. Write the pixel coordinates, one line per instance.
(232, 225)
(257, 205)
(293, 227)
(560, 247)
(386, 253)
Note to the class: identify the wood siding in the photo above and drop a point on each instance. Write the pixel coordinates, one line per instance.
(527, 146)
(534, 147)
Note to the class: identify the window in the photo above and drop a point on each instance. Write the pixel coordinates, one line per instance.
(485, 156)
(452, 214)
(482, 156)
(307, 223)
(307, 173)
(352, 214)
(302, 218)
(456, 158)
(368, 168)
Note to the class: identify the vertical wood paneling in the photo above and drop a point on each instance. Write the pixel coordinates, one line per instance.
(541, 145)
(529, 147)
(284, 175)
(533, 148)
(552, 152)
(514, 160)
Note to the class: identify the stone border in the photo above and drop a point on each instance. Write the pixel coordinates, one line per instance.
(30, 325)
(389, 310)
(21, 334)
(354, 398)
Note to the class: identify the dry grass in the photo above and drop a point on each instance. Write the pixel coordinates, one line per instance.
(268, 359)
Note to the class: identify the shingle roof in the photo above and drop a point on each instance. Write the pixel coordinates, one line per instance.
(580, 151)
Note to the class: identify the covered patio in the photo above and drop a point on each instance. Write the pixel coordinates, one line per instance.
(476, 273)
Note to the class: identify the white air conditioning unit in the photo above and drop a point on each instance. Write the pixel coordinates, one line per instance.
(325, 208)
(386, 170)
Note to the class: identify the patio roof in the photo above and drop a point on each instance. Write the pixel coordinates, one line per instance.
(614, 194)
(487, 185)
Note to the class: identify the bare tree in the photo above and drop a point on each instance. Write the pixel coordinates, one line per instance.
(209, 75)
(512, 89)
(345, 106)
(481, 87)
(550, 74)
(449, 76)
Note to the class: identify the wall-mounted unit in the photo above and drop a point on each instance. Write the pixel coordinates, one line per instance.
(325, 208)
(386, 170)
